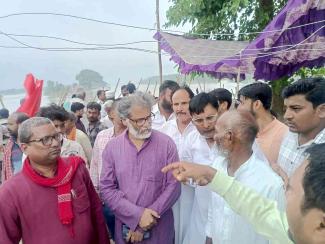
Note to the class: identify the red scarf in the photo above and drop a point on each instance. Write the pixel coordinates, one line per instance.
(66, 169)
(7, 171)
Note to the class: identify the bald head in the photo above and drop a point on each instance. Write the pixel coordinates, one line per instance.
(241, 123)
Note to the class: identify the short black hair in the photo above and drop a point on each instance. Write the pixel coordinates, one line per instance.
(200, 101)
(312, 88)
(53, 112)
(72, 117)
(314, 178)
(4, 113)
(131, 88)
(168, 84)
(258, 91)
(123, 87)
(94, 105)
(99, 92)
(186, 88)
(76, 106)
(223, 95)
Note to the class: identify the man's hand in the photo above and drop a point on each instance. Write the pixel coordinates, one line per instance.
(135, 236)
(148, 219)
(185, 171)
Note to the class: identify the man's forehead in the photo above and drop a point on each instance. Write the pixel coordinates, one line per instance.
(43, 130)
(296, 100)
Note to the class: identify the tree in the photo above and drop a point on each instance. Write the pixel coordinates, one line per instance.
(224, 16)
(90, 79)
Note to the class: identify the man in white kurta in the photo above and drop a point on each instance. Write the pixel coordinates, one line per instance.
(200, 147)
(235, 134)
(179, 130)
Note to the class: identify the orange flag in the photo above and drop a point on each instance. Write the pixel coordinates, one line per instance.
(32, 101)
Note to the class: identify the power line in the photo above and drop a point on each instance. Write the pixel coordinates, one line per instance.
(153, 29)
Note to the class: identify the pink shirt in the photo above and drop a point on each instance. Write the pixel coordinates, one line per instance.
(101, 141)
(269, 139)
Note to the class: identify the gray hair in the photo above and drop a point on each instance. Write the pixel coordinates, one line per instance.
(25, 129)
(138, 98)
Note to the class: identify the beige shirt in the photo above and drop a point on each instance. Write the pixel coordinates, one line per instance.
(84, 141)
(269, 140)
(72, 148)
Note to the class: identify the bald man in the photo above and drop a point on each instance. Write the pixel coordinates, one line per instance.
(235, 133)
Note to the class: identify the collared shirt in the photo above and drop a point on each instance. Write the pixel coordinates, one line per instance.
(225, 225)
(183, 207)
(270, 138)
(80, 125)
(101, 141)
(107, 122)
(259, 212)
(170, 128)
(160, 119)
(102, 110)
(196, 149)
(131, 180)
(93, 129)
(292, 154)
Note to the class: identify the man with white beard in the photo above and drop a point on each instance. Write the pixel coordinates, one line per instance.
(179, 129)
(132, 184)
(200, 147)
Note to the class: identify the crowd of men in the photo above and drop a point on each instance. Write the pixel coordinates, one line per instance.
(111, 175)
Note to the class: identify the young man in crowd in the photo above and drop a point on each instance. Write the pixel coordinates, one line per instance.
(78, 110)
(224, 98)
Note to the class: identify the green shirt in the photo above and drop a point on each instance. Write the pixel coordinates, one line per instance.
(262, 213)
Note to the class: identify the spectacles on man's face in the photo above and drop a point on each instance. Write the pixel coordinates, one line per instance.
(48, 140)
(142, 121)
(208, 119)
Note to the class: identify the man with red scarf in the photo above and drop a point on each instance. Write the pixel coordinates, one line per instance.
(52, 200)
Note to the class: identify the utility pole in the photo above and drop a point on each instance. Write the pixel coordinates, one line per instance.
(159, 49)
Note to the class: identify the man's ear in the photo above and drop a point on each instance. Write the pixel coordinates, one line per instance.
(223, 106)
(23, 147)
(257, 105)
(321, 110)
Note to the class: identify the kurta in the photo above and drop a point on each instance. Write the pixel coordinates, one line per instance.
(183, 207)
(225, 225)
(197, 150)
(30, 211)
(132, 180)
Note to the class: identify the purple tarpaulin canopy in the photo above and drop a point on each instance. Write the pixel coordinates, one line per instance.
(295, 38)
(299, 43)
(200, 55)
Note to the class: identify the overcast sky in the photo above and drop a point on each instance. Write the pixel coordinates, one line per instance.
(63, 66)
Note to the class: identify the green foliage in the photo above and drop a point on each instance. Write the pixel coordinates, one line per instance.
(224, 16)
(54, 88)
(90, 79)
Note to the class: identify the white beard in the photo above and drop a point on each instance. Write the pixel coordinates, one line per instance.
(134, 132)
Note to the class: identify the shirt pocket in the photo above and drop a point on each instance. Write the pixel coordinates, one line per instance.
(80, 198)
(153, 186)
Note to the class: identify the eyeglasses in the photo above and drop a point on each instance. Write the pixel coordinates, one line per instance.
(142, 121)
(208, 119)
(48, 140)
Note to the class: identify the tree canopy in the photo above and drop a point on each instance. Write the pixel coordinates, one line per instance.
(90, 79)
(224, 16)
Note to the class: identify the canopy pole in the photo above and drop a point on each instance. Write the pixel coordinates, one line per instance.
(238, 74)
(159, 49)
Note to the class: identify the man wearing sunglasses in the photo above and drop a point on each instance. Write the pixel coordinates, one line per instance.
(52, 200)
(131, 183)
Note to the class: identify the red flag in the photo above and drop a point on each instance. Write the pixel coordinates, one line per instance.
(33, 97)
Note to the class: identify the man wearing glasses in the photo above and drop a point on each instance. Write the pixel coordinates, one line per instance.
(200, 147)
(131, 183)
(52, 200)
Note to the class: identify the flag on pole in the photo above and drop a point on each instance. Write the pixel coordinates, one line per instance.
(32, 100)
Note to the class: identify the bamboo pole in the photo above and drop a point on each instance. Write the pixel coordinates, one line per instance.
(159, 49)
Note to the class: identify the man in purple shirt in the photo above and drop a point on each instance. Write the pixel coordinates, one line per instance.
(131, 182)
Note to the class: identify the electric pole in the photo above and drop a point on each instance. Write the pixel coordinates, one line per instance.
(159, 49)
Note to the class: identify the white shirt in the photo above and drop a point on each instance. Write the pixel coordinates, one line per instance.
(182, 208)
(160, 119)
(292, 154)
(107, 122)
(196, 149)
(224, 225)
(102, 110)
